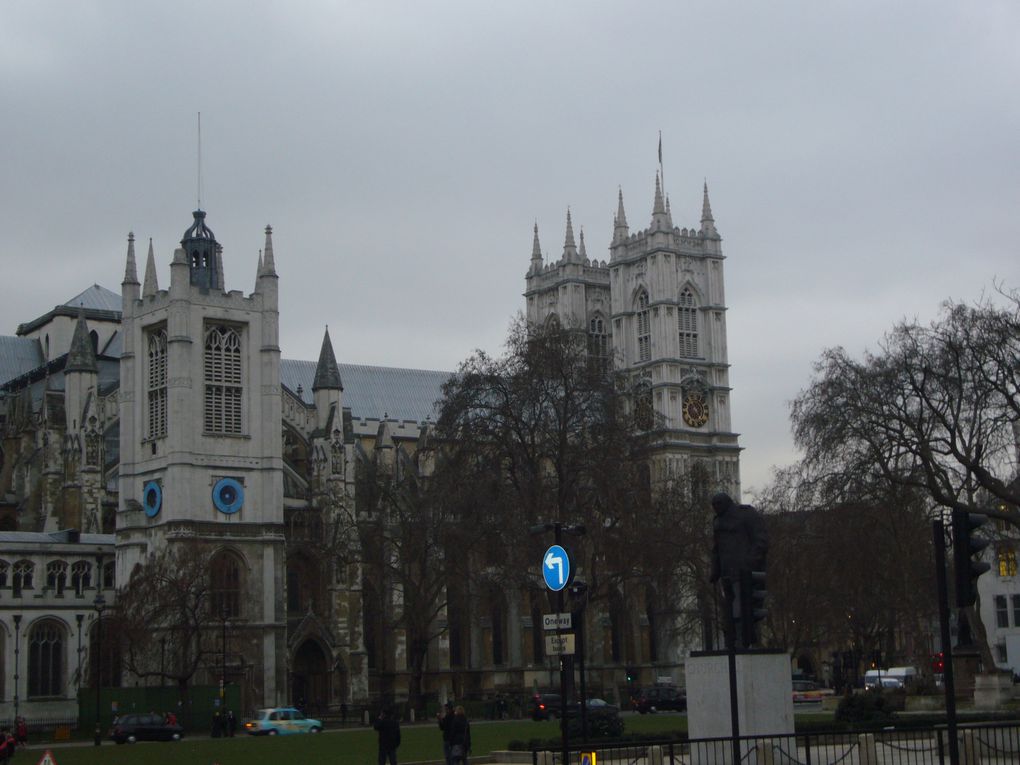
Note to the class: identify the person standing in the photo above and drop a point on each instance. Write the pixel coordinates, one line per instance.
(445, 718)
(460, 737)
(388, 728)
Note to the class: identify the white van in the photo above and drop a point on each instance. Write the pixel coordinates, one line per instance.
(894, 677)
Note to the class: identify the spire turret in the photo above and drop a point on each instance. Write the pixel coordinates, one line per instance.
(581, 251)
(660, 218)
(151, 287)
(82, 356)
(536, 253)
(203, 253)
(131, 270)
(620, 228)
(327, 373)
(268, 263)
(707, 221)
(569, 246)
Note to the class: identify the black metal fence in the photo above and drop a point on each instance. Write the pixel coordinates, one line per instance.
(986, 744)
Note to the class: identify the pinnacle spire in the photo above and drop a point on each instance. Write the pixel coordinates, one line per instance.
(660, 216)
(620, 228)
(569, 246)
(659, 207)
(536, 252)
(151, 287)
(82, 356)
(327, 373)
(131, 270)
(581, 251)
(707, 221)
(268, 264)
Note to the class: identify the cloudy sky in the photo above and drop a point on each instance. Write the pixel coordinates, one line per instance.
(862, 159)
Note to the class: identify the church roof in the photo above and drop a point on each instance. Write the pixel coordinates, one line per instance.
(375, 392)
(96, 298)
(19, 355)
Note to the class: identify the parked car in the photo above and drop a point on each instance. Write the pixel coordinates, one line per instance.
(545, 706)
(595, 708)
(127, 729)
(808, 690)
(281, 721)
(658, 698)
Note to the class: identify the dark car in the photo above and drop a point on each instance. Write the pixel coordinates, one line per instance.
(127, 729)
(659, 698)
(545, 706)
(595, 708)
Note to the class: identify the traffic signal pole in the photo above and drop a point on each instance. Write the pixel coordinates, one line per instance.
(948, 680)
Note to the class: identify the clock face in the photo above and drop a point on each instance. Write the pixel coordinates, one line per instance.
(695, 409)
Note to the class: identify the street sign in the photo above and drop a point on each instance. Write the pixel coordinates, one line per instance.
(556, 568)
(588, 758)
(557, 621)
(47, 758)
(559, 645)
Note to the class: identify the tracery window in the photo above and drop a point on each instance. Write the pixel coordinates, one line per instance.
(598, 340)
(81, 576)
(22, 579)
(644, 333)
(3, 573)
(687, 324)
(1007, 561)
(46, 659)
(225, 590)
(109, 572)
(156, 384)
(56, 576)
(223, 380)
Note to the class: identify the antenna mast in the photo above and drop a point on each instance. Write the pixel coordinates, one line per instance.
(200, 160)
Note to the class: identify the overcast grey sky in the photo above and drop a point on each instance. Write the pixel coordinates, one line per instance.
(862, 159)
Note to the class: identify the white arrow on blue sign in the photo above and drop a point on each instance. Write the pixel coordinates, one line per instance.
(556, 568)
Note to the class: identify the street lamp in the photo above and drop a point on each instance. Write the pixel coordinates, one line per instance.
(99, 604)
(17, 660)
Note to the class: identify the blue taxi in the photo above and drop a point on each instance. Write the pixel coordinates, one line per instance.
(281, 721)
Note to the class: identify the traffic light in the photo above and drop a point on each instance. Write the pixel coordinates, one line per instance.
(965, 547)
(631, 674)
(752, 606)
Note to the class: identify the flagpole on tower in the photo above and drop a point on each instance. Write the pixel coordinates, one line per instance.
(662, 174)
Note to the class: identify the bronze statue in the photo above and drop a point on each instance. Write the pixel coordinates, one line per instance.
(740, 546)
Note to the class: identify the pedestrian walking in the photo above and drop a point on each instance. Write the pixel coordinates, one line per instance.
(445, 719)
(460, 737)
(388, 728)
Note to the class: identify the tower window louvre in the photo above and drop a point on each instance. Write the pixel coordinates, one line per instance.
(644, 333)
(223, 381)
(687, 325)
(156, 384)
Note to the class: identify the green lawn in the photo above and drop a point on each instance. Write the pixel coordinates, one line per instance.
(349, 747)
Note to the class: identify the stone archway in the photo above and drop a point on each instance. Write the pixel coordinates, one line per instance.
(310, 678)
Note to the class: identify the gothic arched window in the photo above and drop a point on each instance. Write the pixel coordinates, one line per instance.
(644, 329)
(22, 579)
(225, 585)
(223, 380)
(46, 659)
(598, 340)
(156, 384)
(81, 576)
(687, 324)
(56, 576)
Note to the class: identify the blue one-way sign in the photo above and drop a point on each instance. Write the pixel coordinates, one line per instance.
(556, 568)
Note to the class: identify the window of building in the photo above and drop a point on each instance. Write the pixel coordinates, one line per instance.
(687, 324)
(1001, 612)
(81, 577)
(3, 573)
(1016, 610)
(598, 340)
(109, 574)
(223, 380)
(302, 585)
(22, 579)
(644, 332)
(225, 590)
(1007, 560)
(46, 659)
(156, 384)
(1000, 653)
(56, 576)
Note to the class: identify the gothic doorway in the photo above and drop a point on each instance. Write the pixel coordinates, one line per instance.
(310, 678)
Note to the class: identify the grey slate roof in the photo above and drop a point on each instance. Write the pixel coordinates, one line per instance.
(96, 298)
(18, 355)
(375, 392)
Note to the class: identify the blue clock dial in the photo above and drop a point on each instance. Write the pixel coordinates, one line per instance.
(228, 495)
(152, 498)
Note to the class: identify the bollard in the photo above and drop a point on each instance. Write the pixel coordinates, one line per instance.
(764, 754)
(869, 753)
(968, 752)
(412, 714)
(655, 755)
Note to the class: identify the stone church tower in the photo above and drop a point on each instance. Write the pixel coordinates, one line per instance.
(657, 311)
(200, 447)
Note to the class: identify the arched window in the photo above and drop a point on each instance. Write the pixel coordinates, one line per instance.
(46, 659)
(156, 384)
(56, 576)
(302, 585)
(109, 574)
(225, 585)
(22, 579)
(598, 340)
(644, 330)
(687, 324)
(3, 573)
(81, 576)
(223, 380)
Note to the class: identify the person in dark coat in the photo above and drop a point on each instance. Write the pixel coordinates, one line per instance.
(445, 718)
(460, 737)
(388, 728)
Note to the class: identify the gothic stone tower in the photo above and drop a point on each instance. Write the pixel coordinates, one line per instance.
(658, 309)
(201, 452)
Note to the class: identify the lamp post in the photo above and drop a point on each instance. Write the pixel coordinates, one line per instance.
(99, 604)
(79, 618)
(17, 659)
(224, 615)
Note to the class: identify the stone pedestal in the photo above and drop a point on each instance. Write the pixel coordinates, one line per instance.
(965, 668)
(992, 690)
(764, 700)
